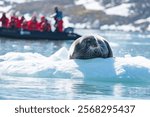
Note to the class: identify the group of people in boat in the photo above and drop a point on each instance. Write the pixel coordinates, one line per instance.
(33, 25)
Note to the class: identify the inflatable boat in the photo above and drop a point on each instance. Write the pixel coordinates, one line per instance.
(37, 35)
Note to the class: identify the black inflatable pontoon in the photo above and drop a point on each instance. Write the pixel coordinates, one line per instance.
(36, 35)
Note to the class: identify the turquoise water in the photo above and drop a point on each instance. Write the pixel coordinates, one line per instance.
(17, 83)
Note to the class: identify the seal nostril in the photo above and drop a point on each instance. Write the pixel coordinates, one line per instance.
(95, 51)
(94, 45)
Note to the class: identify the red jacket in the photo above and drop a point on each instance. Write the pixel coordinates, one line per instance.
(32, 25)
(41, 22)
(24, 25)
(40, 25)
(4, 21)
(46, 27)
(19, 22)
(13, 22)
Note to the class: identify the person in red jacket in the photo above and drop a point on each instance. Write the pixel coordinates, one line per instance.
(45, 27)
(41, 22)
(33, 24)
(24, 25)
(20, 21)
(13, 21)
(58, 20)
(4, 20)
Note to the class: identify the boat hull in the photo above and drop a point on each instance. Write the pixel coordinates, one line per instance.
(36, 35)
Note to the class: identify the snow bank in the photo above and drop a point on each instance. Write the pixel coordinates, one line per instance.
(1, 2)
(142, 20)
(148, 29)
(122, 10)
(59, 66)
(90, 4)
(20, 1)
(5, 8)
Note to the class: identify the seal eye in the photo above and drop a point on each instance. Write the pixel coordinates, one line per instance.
(101, 44)
(88, 42)
(94, 45)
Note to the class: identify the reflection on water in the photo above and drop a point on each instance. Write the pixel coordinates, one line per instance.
(50, 88)
(118, 90)
(53, 88)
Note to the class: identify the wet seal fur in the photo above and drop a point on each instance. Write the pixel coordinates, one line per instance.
(87, 47)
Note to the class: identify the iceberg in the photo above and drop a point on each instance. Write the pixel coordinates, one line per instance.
(59, 65)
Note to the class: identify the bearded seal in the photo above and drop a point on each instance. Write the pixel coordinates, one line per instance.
(87, 47)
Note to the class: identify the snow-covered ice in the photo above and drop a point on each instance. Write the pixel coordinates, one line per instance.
(59, 66)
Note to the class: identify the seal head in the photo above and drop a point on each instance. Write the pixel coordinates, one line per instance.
(87, 47)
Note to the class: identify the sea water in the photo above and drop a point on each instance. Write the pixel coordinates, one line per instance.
(41, 69)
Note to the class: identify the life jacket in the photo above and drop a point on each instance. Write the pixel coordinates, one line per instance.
(32, 25)
(19, 22)
(40, 23)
